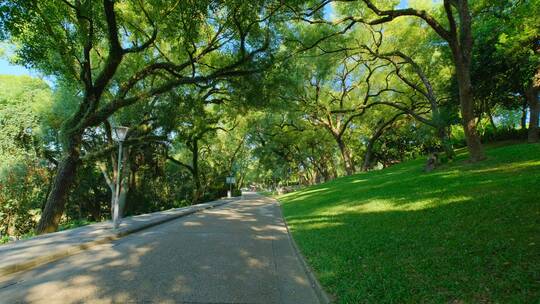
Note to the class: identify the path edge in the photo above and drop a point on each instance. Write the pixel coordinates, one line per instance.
(324, 298)
(78, 248)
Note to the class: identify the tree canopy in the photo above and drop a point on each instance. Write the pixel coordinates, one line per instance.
(275, 93)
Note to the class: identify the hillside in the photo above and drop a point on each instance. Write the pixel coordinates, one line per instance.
(464, 233)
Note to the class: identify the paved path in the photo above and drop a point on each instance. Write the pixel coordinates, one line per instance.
(25, 254)
(237, 253)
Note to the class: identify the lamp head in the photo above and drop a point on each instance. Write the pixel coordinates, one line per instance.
(120, 133)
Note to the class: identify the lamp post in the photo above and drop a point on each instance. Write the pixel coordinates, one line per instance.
(120, 135)
(230, 180)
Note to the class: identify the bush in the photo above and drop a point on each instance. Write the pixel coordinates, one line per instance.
(236, 192)
(488, 134)
(22, 191)
(491, 135)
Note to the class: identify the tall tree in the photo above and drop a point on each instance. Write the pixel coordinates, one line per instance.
(200, 116)
(119, 59)
(507, 48)
(458, 34)
(336, 99)
(416, 80)
(25, 161)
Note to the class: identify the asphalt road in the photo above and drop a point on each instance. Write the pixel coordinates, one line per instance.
(237, 253)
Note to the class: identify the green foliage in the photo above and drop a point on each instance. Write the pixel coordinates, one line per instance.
(201, 107)
(74, 224)
(506, 49)
(21, 195)
(24, 101)
(462, 233)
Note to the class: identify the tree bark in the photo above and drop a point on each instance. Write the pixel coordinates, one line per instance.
(534, 111)
(446, 143)
(491, 120)
(367, 155)
(460, 40)
(124, 189)
(346, 156)
(468, 120)
(64, 179)
(197, 193)
(369, 148)
(524, 114)
(461, 46)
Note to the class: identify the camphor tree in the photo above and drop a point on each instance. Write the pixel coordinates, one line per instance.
(288, 149)
(424, 103)
(337, 97)
(25, 163)
(202, 114)
(455, 30)
(507, 47)
(118, 58)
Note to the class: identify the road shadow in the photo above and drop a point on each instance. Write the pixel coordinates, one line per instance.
(239, 253)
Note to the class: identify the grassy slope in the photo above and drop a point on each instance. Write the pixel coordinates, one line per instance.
(466, 233)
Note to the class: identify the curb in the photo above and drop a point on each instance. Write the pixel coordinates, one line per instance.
(150, 224)
(319, 290)
(72, 250)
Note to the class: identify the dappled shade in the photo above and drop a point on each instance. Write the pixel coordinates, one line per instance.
(463, 233)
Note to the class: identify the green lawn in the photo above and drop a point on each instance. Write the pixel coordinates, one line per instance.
(465, 233)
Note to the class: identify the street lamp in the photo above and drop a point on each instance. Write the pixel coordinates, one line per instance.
(120, 135)
(230, 180)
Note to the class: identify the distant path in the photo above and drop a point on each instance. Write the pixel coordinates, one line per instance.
(237, 253)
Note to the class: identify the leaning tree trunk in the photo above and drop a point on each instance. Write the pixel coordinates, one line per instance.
(491, 120)
(64, 179)
(380, 130)
(346, 155)
(369, 148)
(367, 156)
(197, 190)
(446, 142)
(534, 111)
(122, 198)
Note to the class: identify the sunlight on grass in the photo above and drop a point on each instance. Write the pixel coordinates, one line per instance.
(511, 167)
(358, 181)
(465, 232)
(374, 206)
(304, 194)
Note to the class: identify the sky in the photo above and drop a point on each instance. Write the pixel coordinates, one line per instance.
(9, 69)
(6, 68)
(403, 4)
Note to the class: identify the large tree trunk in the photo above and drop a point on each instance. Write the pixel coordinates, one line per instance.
(524, 114)
(468, 121)
(461, 45)
(124, 189)
(534, 111)
(476, 151)
(367, 156)
(381, 127)
(369, 149)
(346, 155)
(197, 190)
(64, 179)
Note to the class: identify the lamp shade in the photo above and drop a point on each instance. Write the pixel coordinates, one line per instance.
(120, 133)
